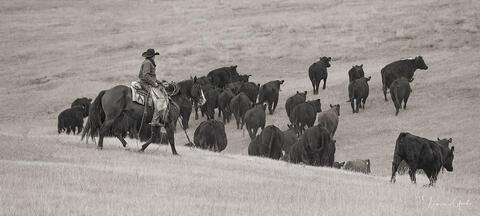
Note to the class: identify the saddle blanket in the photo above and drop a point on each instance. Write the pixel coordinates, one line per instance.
(158, 96)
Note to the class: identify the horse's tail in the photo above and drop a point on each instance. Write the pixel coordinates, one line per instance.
(95, 117)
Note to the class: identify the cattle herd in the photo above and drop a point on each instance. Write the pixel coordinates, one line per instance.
(232, 94)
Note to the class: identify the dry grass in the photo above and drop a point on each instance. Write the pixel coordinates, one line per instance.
(55, 51)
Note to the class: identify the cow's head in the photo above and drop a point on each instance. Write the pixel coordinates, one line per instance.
(448, 160)
(420, 64)
(317, 105)
(336, 107)
(326, 61)
(338, 165)
(302, 94)
(368, 78)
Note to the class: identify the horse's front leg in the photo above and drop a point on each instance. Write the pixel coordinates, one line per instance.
(124, 143)
(171, 137)
(152, 138)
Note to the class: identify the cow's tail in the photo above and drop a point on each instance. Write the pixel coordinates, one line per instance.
(270, 142)
(397, 100)
(95, 118)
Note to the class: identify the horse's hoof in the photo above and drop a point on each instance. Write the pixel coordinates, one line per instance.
(126, 148)
(99, 148)
(140, 151)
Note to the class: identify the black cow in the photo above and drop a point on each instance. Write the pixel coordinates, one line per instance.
(83, 102)
(185, 87)
(211, 96)
(304, 114)
(269, 93)
(294, 100)
(222, 76)
(234, 86)
(185, 108)
(400, 91)
(297, 153)
(319, 146)
(224, 104)
(210, 135)
(356, 72)
(251, 89)
(421, 153)
(71, 120)
(402, 68)
(329, 119)
(268, 144)
(290, 138)
(241, 78)
(239, 106)
(318, 71)
(255, 118)
(357, 165)
(358, 91)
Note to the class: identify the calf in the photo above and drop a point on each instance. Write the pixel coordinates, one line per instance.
(224, 99)
(269, 93)
(254, 119)
(402, 68)
(294, 100)
(358, 91)
(358, 165)
(83, 102)
(71, 120)
(400, 91)
(222, 76)
(239, 106)
(318, 71)
(305, 114)
(268, 144)
(250, 89)
(356, 72)
(329, 119)
(421, 153)
(210, 135)
(290, 138)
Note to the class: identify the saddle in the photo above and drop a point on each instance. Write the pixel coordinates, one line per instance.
(140, 94)
(158, 96)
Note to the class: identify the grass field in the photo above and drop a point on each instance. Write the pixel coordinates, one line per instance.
(52, 52)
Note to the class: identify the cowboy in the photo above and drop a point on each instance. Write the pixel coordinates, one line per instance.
(148, 80)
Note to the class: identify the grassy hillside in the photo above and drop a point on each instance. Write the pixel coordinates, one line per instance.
(55, 51)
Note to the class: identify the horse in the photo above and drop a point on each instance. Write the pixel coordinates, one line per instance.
(108, 107)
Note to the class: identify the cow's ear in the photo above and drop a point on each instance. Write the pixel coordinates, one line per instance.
(194, 79)
(438, 139)
(331, 106)
(234, 66)
(361, 65)
(298, 92)
(282, 81)
(452, 148)
(329, 58)
(305, 92)
(369, 78)
(342, 163)
(249, 75)
(450, 140)
(318, 100)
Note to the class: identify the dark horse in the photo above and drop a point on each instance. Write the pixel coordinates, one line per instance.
(108, 107)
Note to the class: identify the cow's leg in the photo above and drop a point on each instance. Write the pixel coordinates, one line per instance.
(250, 132)
(254, 132)
(237, 119)
(313, 86)
(395, 163)
(317, 85)
(270, 107)
(352, 101)
(405, 101)
(275, 102)
(363, 103)
(412, 172)
(220, 113)
(357, 103)
(195, 106)
(324, 83)
(385, 92)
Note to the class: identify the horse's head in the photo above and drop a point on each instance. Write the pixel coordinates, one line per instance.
(197, 93)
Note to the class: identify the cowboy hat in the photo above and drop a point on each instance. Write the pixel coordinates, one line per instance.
(149, 53)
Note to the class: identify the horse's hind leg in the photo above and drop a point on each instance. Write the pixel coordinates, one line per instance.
(152, 137)
(119, 137)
